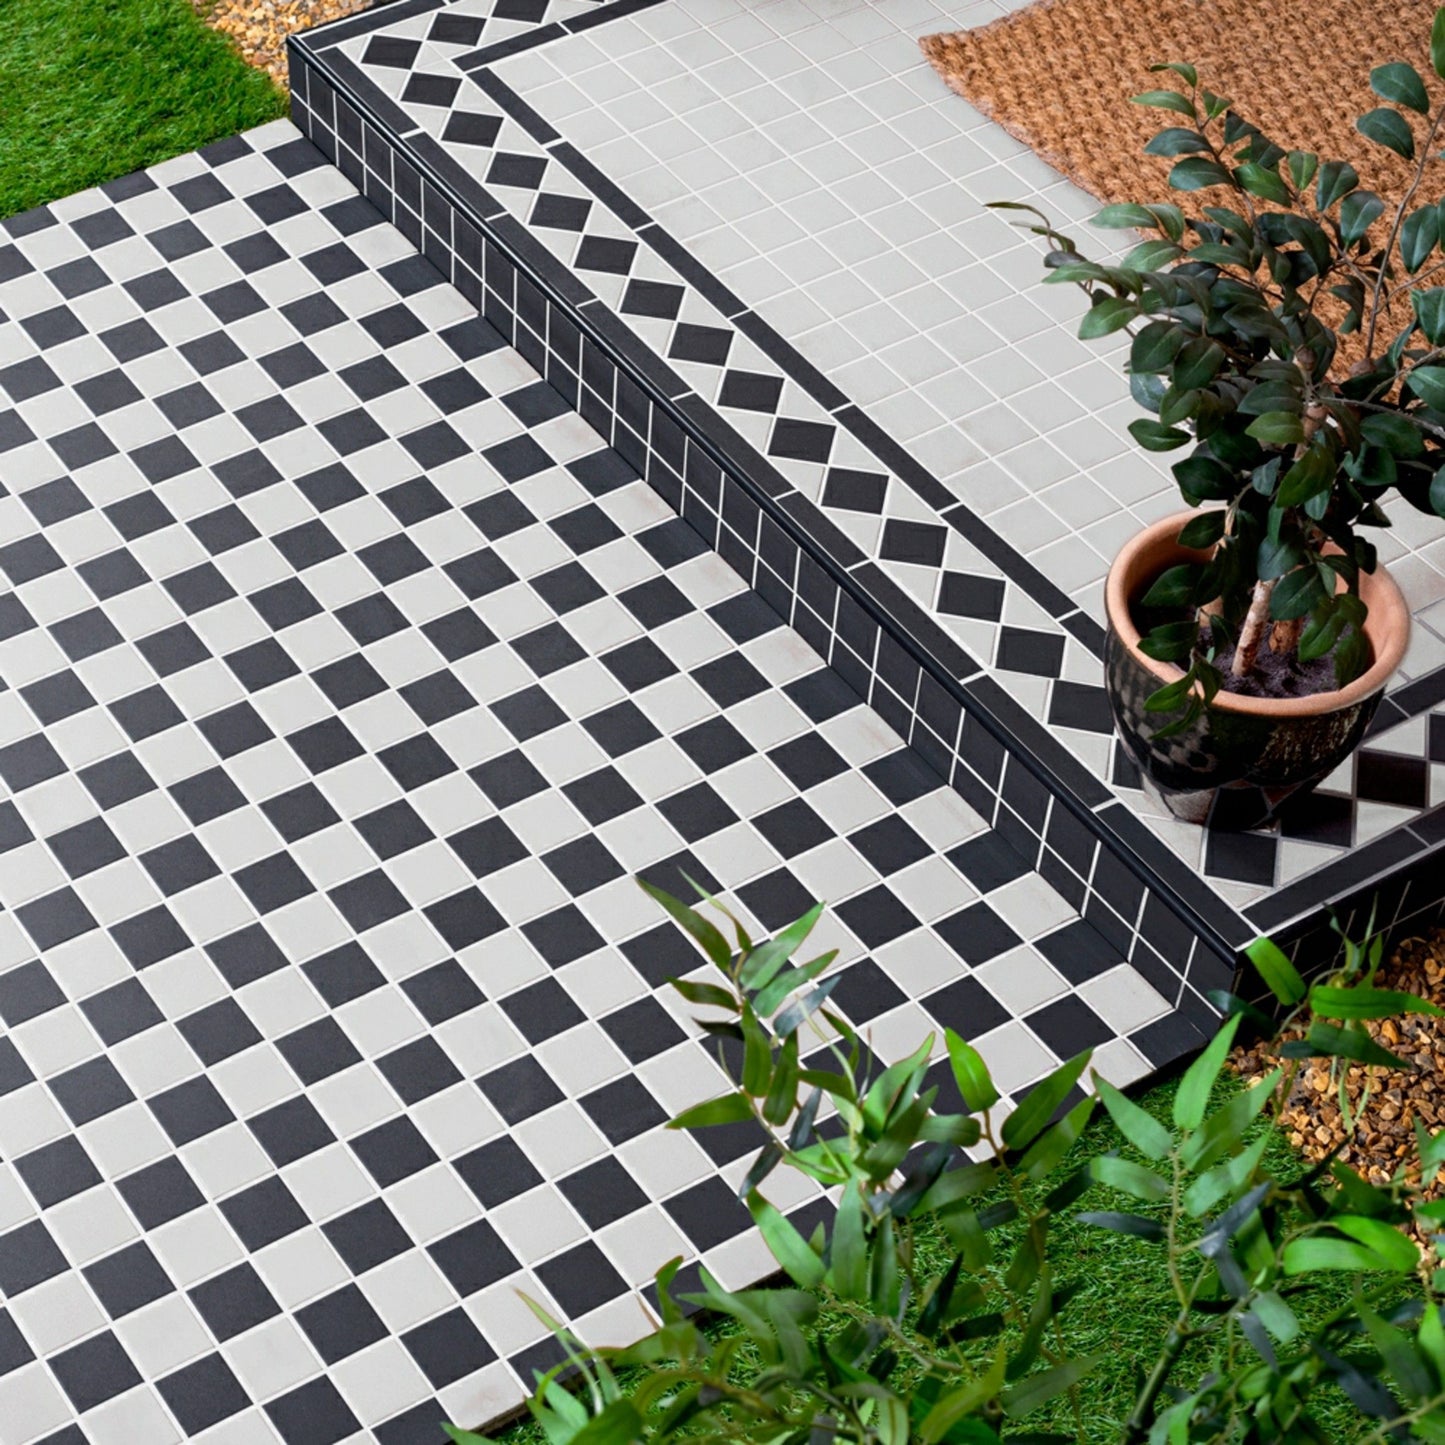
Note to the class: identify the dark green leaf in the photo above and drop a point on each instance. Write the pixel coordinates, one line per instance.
(1358, 212)
(1106, 315)
(1156, 346)
(1197, 363)
(1419, 235)
(1155, 437)
(1125, 215)
(1276, 429)
(848, 1259)
(1185, 72)
(1311, 474)
(617, 1424)
(1039, 1389)
(1330, 1041)
(1196, 174)
(1302, 168)
(1295, 594)
(1437, 45)
(1165, 100)
(1428, 383)
(1202, 479)
(1389, 129)
(1174, 587)
(1437, 493)
(1401, 85)
(1133, 1179)
(1170, 641)
(705, 995)
(763, 962)
(1204, 530)
(1336, 181)
(1176, 140)
(1429, 305)
(1260, 181)
(1132, 1224)
(1275, 558)
(1394, 433)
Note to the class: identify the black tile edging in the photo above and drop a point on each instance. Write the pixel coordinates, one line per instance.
(1110, 824)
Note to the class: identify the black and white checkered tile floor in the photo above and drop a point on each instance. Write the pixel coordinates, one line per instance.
(344, 680)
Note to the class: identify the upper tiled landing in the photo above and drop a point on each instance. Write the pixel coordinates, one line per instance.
(783, 205)
(345, 678)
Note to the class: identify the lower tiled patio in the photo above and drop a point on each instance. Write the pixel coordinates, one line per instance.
(346, 679)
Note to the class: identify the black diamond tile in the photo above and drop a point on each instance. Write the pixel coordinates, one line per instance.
(128, 1279)
(94, 1371)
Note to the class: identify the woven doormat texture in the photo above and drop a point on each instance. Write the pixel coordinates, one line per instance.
(1058, 76)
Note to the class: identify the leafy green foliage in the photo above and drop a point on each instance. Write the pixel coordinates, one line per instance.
(937, 1305)
(1230, 355)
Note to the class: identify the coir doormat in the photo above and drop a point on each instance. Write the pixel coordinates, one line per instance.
(1059, 74)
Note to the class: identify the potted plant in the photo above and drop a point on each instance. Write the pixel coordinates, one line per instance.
(1283, 329)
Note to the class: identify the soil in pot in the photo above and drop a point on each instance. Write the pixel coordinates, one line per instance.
(1274, 674)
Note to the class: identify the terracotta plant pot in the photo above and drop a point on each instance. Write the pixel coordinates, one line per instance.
(1245, 756)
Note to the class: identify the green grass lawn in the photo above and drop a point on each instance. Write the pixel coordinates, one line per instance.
(94, 89)
(1126, 1303)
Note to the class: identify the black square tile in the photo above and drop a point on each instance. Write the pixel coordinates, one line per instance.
(342, 974)
(57, 1171)
(368, 901)
(443, 991)
(803, 441)
(15, 1352)
(465, 918)
(234, 1301)
(621, 729)
(121, 1011)
(602, 796)
(1023, 650)
(28, 1256)
(520, 1089)
(890, 844)
(643, 1029)
(27, 992)
(526, 714)
(518, 459)
(318, 1050)
(178, 865)
(418, 1070)
(27, 762)
(350, 680)
(473, 1258)
(159, 1193)
(219, 1030)
(367, 1236)
(291, 1131)
(393, 829)
(697, 812)
(325, 745)
(488, 846)
(542, 1010)
(977, 934)
(509, 778)
(968, 1008)
(497, 1172)
(1242, 857)
(1068, 1026)
(56, 918)
(246, 955)
(921, 543)
(128, 1279)
(393, 1151)
(263, 1213)
(962, 594)
(1403, 782)
(235, 729)
(417, 761)
(313, 1414)
(94, 1371)
(623, 1109)
(808, 760)
(987, 862)
(582, 865)
(548, 649)
(582, 1278)
(448, 1348)
(203, 1393)
(191, 1110)
(371, 618)
(340, 1324)
(480, 573)
(148, 937)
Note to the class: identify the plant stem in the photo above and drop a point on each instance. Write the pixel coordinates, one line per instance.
(1136, 1427)
(1251, 631)
(1395, 229)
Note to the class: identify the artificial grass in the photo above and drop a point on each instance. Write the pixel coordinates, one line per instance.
(1125, 1305)
(95, 89)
